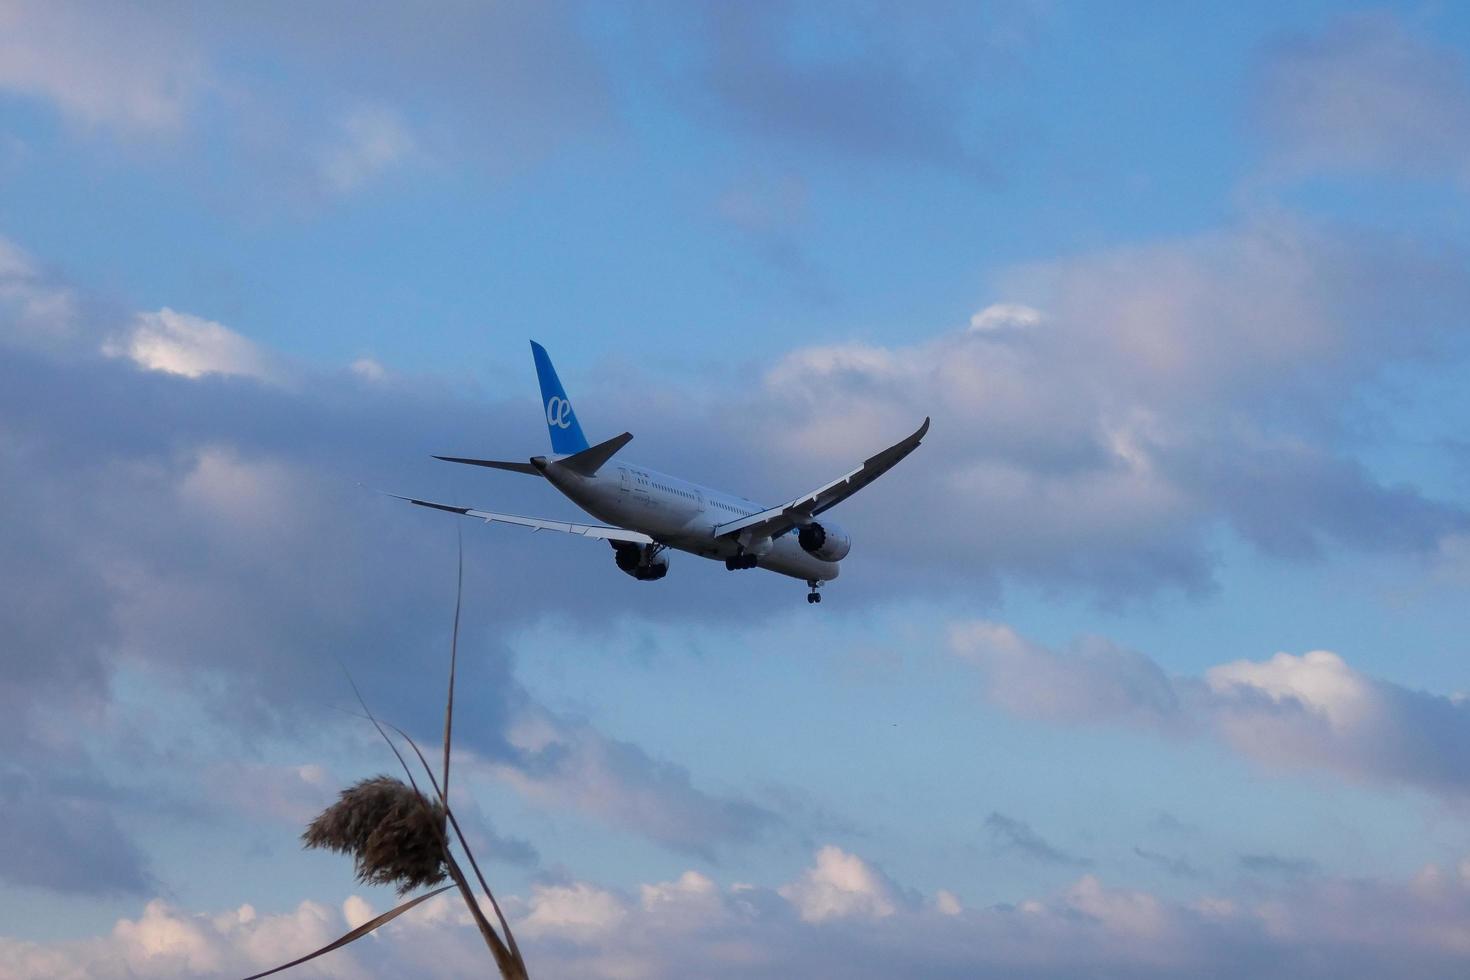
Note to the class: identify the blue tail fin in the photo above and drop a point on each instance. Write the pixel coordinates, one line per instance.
(561, 421)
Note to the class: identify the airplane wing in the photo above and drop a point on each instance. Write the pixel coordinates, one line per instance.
(778, 520)
(536, 524)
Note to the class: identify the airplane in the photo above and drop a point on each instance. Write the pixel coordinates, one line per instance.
(651, 513)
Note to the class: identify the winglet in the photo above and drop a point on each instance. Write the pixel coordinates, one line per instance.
(589, 461)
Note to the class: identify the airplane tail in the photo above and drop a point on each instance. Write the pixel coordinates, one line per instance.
(589, 461)
(561, 421)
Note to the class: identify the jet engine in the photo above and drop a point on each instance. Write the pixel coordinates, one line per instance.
(829, 542)
(645, 562)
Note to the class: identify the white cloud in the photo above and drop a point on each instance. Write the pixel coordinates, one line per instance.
(578, 911)
(839, 886)
(691, 897)
(1320, 681)
(369, 369)
(1351, 929)
(1005, 316)
(166, 942)
(356, 910)
(191, 346)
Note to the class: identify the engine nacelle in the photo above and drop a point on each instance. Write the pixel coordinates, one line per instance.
(828, 542)
(640, 561)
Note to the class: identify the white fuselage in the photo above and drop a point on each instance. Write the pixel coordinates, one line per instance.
(682, 515)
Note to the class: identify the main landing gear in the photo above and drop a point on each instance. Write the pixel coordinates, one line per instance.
(740, 561)
(813, 595)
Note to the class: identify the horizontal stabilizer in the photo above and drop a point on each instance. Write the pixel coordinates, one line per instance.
(495, 464)
(589, 461)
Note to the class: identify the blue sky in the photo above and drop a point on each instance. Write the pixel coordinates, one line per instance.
(1150, 662)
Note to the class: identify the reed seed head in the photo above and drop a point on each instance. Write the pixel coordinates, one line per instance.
(394, 833)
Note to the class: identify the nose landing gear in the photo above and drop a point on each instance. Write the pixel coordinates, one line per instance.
(813, 596)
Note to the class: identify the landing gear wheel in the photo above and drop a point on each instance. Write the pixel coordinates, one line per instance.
(813, 596)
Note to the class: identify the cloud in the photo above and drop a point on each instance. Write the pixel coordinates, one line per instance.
(128, 68)
(371, 140)
(1275, 864)
(1094, 428)
(1290, 712)
(691, 926)
(571, 764)
(1005, 316)
(507, 83)
(191, 502)
(578, 911)
(841, 886)
(369, 369)
(60, 841)
(1095, 681)
(499, 87)
(291, 795)
(167, 942)
(1367, 95)
(190, 346)
(767, 211)
(36, 313)
(179, 518)
(1179, 867)
(897, 86)
(1017, 835)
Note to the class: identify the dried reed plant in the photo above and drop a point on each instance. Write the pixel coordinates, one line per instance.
(398, 835)
(392, 832)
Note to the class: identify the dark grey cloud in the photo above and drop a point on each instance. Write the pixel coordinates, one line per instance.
(568, 762)
(210, 529)
(210, 534)
(1178, 866)
(1017, 835)
(487, 843)
(902, 92)
(59, 840)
